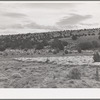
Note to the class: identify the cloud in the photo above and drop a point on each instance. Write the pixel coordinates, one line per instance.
(73, 19)
(34, 25)
(17, 26)
(2, 27)
(30, 25)
(89, 24)
(14, 15)
(14, 26)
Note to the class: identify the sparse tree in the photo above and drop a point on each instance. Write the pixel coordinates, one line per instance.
(74, 37)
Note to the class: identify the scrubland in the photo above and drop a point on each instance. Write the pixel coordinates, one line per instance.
(25, 70)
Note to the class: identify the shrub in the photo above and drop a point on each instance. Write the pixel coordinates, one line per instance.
(16, 75)
(88, 45)
(25, 49)
(0, 53)
(57, 44)
(5, 54)
(65, 43)
(23, 70)
(45, 42)
(93, 34)
(65, 51)
(27, 86)
(54, 51)
(96, 57)
(27, 53)
(74, 73)
(95, 44)
(74, 37)
(85, 45)
(2, 48)
(99, 33)
(49, 50)
(79, 50)
(39, 46)
(47, 60)
(99, 37)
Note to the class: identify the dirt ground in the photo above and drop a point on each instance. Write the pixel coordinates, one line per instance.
(19, 74)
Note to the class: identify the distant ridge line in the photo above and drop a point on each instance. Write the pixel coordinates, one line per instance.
(52, 31)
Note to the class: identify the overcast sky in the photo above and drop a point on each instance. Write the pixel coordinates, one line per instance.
(40, 17)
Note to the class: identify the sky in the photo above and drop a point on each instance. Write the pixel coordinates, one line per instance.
(21, 17)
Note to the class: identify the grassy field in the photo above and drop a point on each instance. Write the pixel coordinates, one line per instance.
(38, 74)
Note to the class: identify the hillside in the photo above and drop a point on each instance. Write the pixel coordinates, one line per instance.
(29, 40)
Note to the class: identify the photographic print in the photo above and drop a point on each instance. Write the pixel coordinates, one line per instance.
(50, 44)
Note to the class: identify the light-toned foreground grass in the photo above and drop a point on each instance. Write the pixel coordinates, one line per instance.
(22, 74)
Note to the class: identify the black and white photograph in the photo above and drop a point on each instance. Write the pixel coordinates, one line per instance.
(49, 44)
